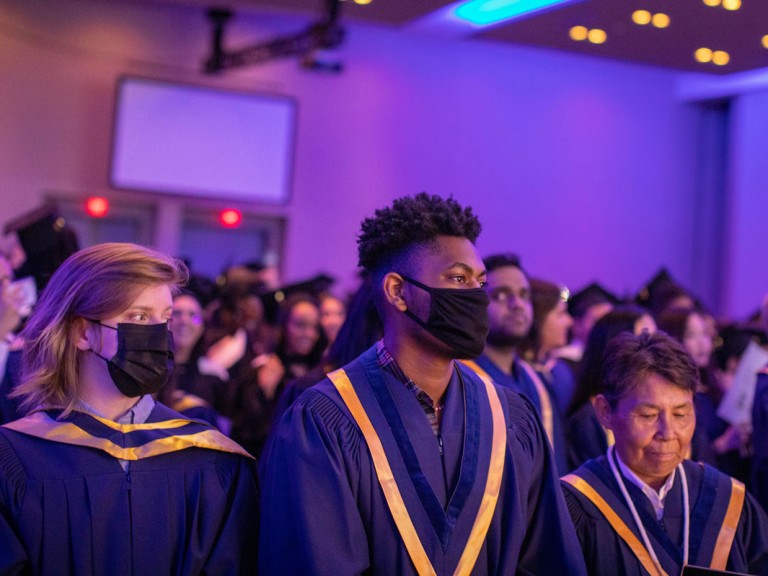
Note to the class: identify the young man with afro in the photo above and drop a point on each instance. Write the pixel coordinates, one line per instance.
(405, 461)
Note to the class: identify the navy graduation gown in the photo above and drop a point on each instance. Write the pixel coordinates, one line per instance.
(325, 513)
(607, 554)
(70, 509)
(520, 381)
(586, 438)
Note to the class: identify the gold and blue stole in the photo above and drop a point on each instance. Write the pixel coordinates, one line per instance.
(393, 485)
(715, 513)
(124, 441)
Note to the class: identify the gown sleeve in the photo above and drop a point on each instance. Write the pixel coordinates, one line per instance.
(13, 556)
(551, 545)
(235, 549)
(752, 536)
(310, 522)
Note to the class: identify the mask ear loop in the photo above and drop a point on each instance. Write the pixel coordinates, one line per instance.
(417, 283)
(100, 342)
(407, 311)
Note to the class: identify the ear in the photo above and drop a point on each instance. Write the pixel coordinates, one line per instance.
(83, 335)
(603, 411)
(393, 285)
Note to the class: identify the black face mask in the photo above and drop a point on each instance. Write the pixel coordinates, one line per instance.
(144, 359)
(458, 317)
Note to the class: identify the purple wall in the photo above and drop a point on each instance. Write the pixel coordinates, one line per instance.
(584, 167)
(748, 204)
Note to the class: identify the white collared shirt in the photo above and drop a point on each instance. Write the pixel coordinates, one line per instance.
(656, 498)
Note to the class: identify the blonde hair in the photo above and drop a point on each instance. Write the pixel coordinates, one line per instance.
(96, 283)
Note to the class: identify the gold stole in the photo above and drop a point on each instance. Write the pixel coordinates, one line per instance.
(724, 538)
(392, 493)
(40, 425)
(544, 400)
(541, 392)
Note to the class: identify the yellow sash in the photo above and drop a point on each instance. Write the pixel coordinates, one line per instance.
(544, 400)
(392, 493)
(40, 425)
(181, 401)
(541, 392)
(728, 529)
(724, 538)
(616, 523)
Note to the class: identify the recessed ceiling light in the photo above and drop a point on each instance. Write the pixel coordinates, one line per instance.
(720, 57)
(660, 20)
(363, 2)
(731, 4)
(641, 17)
(765, 41)
(578, 33)
(597, 36)
(703, 55)
(711, 2)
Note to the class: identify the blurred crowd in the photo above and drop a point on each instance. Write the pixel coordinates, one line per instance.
(247, 346)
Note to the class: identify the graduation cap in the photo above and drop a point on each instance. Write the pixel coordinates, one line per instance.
(46, 239)
(660, 291)
(589, 296)
(313, 286)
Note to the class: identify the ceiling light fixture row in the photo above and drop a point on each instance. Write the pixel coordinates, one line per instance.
(593, 35)
(727, 4)
(644, 17)
(716, 57)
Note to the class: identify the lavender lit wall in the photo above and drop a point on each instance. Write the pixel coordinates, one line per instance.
(748, 209)
(584, 167)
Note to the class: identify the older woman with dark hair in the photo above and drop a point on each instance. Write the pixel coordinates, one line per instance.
(643, 508)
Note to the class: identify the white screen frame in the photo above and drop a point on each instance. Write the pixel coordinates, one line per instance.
(192, 140)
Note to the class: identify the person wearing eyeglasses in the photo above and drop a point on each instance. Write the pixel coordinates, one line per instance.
(99, 478)
(643, 508)
(405, 461)
(510, 319)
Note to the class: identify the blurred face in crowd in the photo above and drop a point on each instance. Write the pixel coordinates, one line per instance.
(186, 322)
(302, 330)
(653, 425)
(510, 312)
(251, 310)
(697, 339)
(554, 328)
(332, 315)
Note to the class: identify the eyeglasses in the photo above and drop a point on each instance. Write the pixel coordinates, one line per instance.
(503, 296)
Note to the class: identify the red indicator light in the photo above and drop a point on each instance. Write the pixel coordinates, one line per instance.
(230, 218)
(97, 207)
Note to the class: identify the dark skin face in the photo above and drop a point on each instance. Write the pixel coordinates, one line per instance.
(449, 262)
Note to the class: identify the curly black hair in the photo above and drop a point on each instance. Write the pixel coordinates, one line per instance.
(412, 221)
